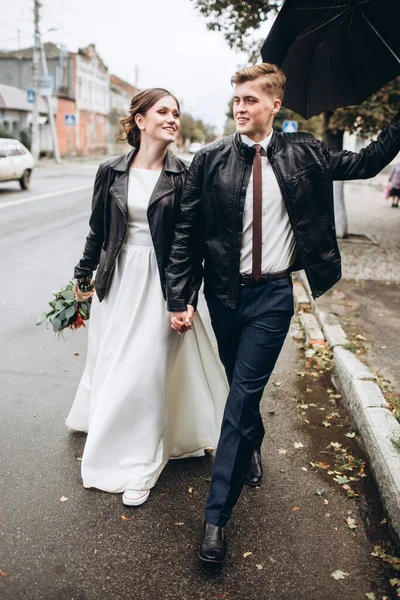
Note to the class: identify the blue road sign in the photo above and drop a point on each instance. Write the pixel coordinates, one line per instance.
(289, 126)
(30, 95)
(69, 119)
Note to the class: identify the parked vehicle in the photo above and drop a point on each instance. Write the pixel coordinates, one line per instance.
(16, 162)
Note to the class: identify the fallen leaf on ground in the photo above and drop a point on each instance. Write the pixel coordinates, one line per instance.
(339, 574)
(63, 499)
(180, 523)
(298, 445)
(341, 480)
(361, 337)
(319, 492)
(296, 508)
(2, 574)
(246, 554)
(370, 596)
(282, 451)
(277, 383)
(351, 523)
(326, 501)
(326, 424)
(394, 582)
(124, 518)
(190, 490)
(259, 567)
(304, 469)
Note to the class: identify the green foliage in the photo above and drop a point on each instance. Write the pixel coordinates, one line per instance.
(23, 135)
(237, 19)
(65, 311)
(25, 138)
(195, 129)
(5, 133)
(372, 115)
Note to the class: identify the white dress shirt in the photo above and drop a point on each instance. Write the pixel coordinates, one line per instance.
(278, 243)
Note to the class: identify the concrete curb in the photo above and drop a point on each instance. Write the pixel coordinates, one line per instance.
(363, 399)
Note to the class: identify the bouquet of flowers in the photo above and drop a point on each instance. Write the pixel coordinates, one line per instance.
(70, 307)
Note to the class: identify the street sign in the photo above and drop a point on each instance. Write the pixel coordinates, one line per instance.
(30, 95)
(70, 120)
(289, 126)
(46, 85)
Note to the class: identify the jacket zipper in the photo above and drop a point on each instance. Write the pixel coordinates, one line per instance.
(237, 250)
(291, 219)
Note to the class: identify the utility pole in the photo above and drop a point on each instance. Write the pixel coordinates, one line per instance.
(35, 147)
(53, 129)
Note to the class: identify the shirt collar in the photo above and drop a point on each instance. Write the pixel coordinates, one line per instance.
(264, 143)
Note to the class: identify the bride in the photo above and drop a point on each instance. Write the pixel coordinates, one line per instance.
(146, 394)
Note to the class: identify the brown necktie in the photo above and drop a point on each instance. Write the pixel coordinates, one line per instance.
(257, 214)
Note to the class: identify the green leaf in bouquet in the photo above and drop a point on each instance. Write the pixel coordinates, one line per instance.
(62, 314)
(84, 309)
(68, 296)
(60, 304)
(41, 319)
(70, 311)
(56, 324)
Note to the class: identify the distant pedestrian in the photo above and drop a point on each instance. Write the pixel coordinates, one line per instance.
(394, 191)
(146, 395)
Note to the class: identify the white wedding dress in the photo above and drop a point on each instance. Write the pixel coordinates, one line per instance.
(147, 394)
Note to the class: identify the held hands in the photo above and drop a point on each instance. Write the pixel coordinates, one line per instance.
(182, 321)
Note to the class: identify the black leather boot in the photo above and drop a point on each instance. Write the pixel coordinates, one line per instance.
(213, 545)
(255, 472)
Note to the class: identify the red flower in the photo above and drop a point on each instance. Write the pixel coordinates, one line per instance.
(79, 322)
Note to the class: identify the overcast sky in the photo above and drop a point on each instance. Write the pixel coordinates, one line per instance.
(167, 39)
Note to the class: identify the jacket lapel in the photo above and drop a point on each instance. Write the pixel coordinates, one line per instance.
(119, 191)
(163, 187)
(165, 184)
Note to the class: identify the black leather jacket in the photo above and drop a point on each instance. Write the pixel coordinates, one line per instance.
(109, 219)
(212, 206)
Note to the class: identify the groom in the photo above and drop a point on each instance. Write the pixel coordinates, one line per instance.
(256, 206)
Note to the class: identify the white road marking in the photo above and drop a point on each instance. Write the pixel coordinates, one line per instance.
(47, 195)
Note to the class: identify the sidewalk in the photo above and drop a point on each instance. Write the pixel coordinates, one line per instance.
(360, 319)
(367, 299)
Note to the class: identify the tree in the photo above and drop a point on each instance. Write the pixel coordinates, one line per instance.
(195, 130)
(239, 20)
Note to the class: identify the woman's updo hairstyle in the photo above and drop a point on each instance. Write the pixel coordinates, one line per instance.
(140, 104)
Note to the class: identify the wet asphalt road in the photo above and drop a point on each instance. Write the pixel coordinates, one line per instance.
(82, 549)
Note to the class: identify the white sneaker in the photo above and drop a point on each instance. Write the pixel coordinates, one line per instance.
(135, 497)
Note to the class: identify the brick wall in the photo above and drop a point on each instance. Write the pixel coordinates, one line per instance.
(65, 133)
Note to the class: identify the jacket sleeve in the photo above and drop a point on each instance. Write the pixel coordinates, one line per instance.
(370, 160)
(184, 270)
(95, 237)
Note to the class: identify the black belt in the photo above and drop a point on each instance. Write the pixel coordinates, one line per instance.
(248, 280)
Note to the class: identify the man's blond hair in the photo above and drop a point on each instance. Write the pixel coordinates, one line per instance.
(272, 79)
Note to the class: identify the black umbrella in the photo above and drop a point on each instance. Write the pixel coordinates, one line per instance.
(334, 52)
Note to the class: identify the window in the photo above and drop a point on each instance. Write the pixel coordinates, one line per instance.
(14, 150)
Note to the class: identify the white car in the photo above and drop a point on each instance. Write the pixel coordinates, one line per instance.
(16, 162)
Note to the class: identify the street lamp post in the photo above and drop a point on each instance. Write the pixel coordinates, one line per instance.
(35, 146)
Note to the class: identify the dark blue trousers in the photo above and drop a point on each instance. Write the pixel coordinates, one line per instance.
(249, 339)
